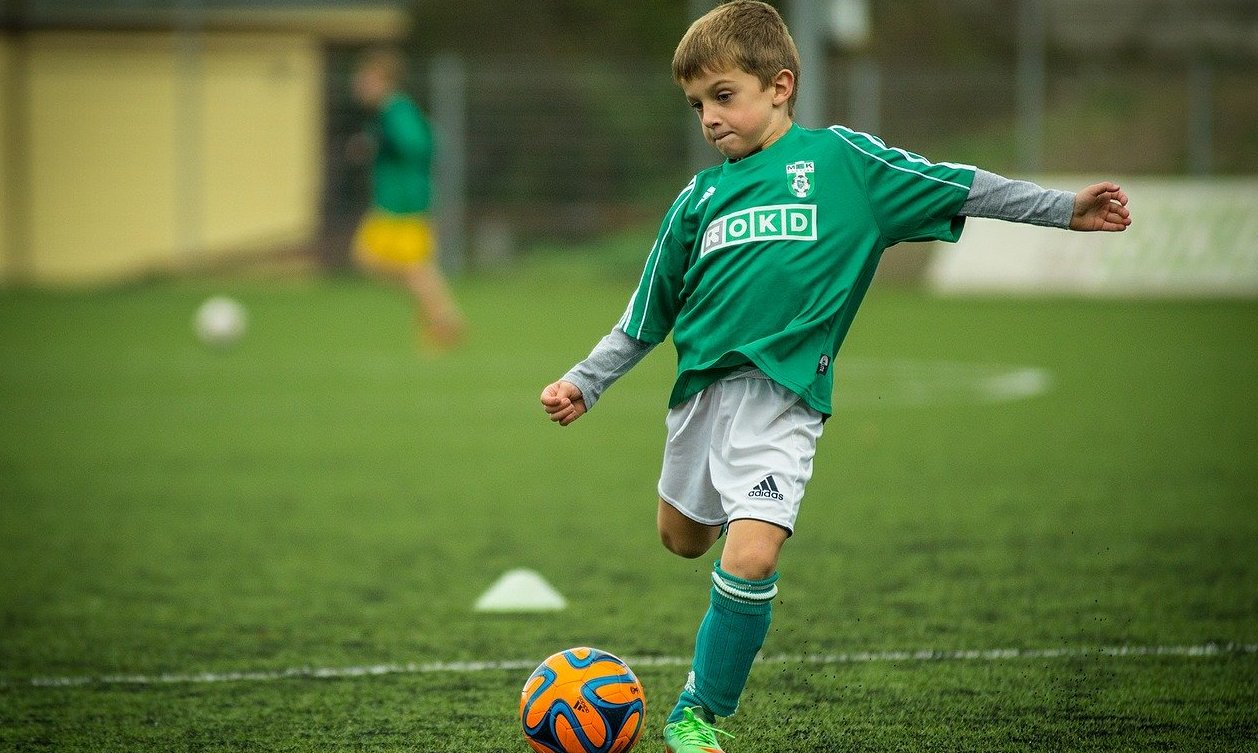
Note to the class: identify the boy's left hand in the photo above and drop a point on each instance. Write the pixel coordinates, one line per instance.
(563, 402)
(1102, 206)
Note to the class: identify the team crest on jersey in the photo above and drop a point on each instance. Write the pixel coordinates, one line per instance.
(800, 178)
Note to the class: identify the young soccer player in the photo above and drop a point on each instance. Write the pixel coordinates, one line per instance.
(396, 239)
(757, 271)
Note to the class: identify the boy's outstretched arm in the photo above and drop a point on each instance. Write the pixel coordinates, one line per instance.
(1101, 206)
(563, 402)
(576, 392)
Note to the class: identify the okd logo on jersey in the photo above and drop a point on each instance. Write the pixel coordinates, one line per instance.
(781, 222)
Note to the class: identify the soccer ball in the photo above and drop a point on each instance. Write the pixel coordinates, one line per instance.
(220, 321)
(582, 700)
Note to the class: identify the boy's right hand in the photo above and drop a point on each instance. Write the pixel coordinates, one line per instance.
(1102, 206)
(563, 402)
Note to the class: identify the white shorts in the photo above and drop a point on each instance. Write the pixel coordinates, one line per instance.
(740, 449)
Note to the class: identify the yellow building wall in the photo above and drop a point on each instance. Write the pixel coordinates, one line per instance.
(7, 186)
(101, 155)
(150, 152)
(261, 141)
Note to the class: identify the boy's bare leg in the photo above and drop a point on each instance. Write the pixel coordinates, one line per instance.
(752, 548)
(683, 536)
(437, 309)
(738, 616)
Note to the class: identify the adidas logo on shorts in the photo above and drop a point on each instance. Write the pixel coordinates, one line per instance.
(768, 488)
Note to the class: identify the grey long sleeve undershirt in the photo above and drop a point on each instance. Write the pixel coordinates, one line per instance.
(991, 196)
(611, 359)
(999, 198)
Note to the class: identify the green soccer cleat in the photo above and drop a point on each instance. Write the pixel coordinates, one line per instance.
(692, 735)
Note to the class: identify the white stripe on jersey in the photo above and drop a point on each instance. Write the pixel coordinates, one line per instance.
(842, 133)
(653, 261)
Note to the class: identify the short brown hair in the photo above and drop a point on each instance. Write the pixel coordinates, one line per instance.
(743, 34)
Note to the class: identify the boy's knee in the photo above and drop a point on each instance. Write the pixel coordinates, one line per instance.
(752, 550)
(750, 567)
(684, 546)
(683, 536)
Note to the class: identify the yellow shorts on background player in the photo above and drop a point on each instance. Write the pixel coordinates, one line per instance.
(387, 240)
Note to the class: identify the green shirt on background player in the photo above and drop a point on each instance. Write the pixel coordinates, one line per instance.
(400, 180)
(757, 271)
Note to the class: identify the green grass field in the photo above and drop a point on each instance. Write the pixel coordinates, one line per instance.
(323, 500)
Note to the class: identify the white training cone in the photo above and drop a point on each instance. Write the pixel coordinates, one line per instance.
(520, 590)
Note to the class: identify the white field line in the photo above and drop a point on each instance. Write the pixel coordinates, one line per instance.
(522, 665)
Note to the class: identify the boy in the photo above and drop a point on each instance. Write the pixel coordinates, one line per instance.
(757, 271)
(395, 238)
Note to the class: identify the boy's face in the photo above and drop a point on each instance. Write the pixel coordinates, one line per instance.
(738, 115)
(370, 86)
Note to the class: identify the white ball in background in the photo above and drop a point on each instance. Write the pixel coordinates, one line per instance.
(220, 321)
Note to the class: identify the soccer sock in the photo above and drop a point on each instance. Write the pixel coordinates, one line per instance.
(730, 635)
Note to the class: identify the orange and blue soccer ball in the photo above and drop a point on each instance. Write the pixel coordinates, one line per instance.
(582, 700)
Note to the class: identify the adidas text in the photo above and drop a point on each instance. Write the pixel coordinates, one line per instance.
(768, 489)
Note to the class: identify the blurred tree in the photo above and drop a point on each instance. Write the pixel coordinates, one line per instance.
(550, 27)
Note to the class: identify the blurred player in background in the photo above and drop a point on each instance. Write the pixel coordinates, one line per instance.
(396, 239)
(757, 272)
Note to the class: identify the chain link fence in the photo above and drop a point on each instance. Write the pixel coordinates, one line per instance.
(565, 151)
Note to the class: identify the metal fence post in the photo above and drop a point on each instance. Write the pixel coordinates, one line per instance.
(808, 28)
(448, 85)
(698, 152)
(1200, 116)
(1032, 45)
(189, 192)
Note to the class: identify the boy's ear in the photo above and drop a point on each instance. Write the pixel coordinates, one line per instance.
(783, 86)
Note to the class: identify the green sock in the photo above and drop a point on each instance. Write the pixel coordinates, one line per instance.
(730, 635)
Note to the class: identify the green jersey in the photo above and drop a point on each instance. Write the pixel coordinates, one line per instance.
(763, 261)
(400, 174)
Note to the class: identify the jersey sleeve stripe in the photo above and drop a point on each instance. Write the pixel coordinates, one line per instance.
(853, 139)
(653, 261)
(624, 318)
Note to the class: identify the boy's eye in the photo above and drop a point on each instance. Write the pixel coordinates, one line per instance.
(696, 105)
(724, 96)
